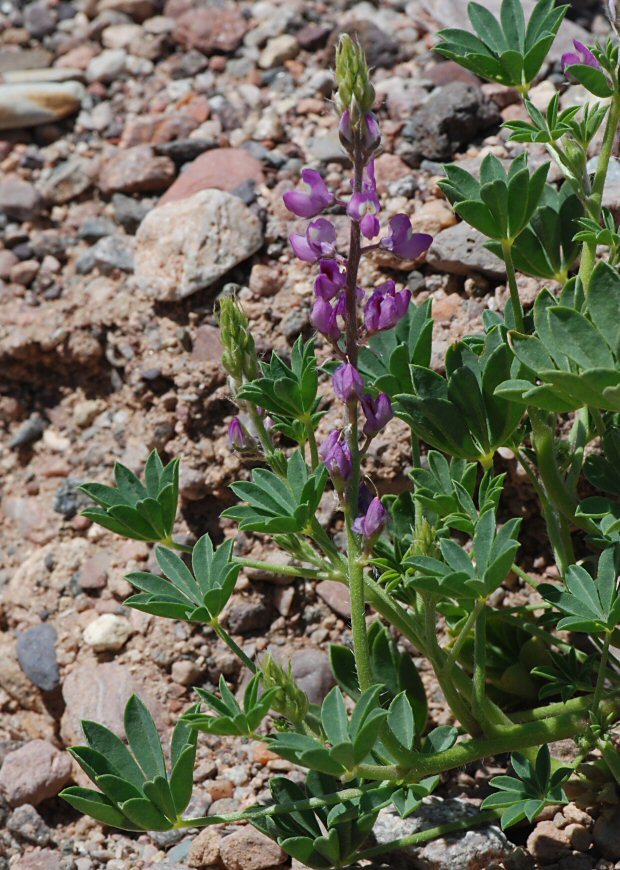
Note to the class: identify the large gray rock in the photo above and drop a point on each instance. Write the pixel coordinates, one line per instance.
(452, 116)
(459, 250)
(475, 849)
(185, 246)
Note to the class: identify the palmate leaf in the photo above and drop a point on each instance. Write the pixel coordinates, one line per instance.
(506, 51)
(199, 596)
(277, 506)
(143, 512)
(589, 605)
(534, 787)
(231, 719)
(327, 836)
(136, 791)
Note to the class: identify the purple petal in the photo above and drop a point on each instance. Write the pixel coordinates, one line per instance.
(301, 204)
(302, 249)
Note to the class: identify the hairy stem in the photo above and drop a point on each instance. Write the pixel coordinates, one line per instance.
(234, 647)
(480, 666)
(588, 257)
(602, 668)
(517, 308)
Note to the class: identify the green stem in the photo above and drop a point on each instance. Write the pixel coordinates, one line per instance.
(314, 450)
(506, 739)
(524, 576)
(175, 545)
(602, 668)
(417, 839)
(588, 258)
(263, 435)
(230, 643)
(284, 570)
(320, 537)
(347, 794)
(582, 704)
(517, 309)
(461, 638)
(480, 666)
(359, 633)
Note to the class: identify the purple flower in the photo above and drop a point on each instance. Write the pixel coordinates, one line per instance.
(582, 55)
(319, 241)
(370, 132)
(402, 241)
(331, 280)
(378, 413)
(385, 307)
(311, 202)
(238, 438)
(373, 522)
(323, 318)
(348, 383)
(336, 455)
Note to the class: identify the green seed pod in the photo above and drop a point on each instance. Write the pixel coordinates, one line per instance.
(290, 701)
(239, 352)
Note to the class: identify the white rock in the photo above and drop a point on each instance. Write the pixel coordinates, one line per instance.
(107, 66)
(107, 633)
(27, 105)
(186, 245)
(120, 35)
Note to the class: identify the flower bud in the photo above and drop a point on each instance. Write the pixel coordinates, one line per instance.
(336, 455)
(290, 701)
(355, 91)
(348, 383)
(373, 522)
(238, 437)
(378, 413)
(239, 352)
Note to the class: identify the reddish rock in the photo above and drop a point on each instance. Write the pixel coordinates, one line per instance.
(211, 30)
(220, 168)
(336, 596)
(157, 128)
(139, 10)
(448, 72)
(136, 170)
(34, 772)
(207, 345)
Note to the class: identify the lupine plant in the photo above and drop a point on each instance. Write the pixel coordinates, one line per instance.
(424, 565)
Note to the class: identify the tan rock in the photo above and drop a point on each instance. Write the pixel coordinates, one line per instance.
(187, 245)
(205, 850)
(247, 849)
(27, 105)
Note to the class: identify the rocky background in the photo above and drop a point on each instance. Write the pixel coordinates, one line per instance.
(171, 131)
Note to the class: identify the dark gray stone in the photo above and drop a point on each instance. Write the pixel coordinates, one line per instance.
(130, 212)
(27, 824)
(69, 500)
(29, 432)
(36, 654)
(96, 228)
(460, 250)
(451, 117)
(248, 615)
(114, 252)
